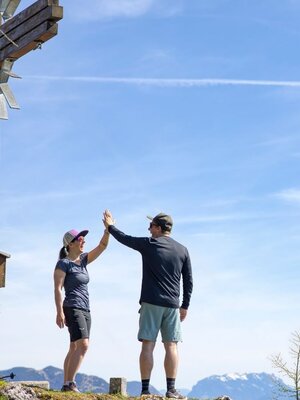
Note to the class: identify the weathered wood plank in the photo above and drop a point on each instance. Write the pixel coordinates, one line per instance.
(29, 42)
(51, 13)
(2, 258)
(26, 14)
(18, 36)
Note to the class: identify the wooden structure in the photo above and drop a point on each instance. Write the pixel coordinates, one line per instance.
(118, 386)
(3, 257)
(20, 34)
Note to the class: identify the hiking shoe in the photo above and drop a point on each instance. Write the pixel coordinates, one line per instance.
(71, 387)
(223, 398)
(173, 394)
(145, 392)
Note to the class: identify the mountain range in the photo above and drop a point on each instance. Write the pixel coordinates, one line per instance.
(251, 386)
(85, 383)
(248, 386)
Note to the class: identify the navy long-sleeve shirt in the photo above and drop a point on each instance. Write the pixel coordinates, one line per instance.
(164, 262)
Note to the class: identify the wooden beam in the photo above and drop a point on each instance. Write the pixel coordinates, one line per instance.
(51, 13)
(34, 25)
(30, 41)
(24, 15)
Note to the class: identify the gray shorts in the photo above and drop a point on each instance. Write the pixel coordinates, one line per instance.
(156, 318)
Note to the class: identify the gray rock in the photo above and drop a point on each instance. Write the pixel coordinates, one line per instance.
(15, 391)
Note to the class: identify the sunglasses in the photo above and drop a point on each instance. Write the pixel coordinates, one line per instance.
(152, 224)
(78, 239)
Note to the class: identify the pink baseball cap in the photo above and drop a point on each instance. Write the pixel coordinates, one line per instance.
(73, 234)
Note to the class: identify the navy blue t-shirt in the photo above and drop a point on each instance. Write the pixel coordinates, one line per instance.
(165, 262)
(75, 284)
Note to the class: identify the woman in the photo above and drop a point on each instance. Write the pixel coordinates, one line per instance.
(74, 312)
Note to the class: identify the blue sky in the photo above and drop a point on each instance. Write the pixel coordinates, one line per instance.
(187, 107)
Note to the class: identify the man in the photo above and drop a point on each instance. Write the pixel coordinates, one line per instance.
(165, 261)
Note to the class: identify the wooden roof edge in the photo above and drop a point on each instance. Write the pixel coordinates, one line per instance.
(2, 253)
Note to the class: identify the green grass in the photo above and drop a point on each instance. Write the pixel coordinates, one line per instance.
(55, 395)
(2, 384)
(44, 394)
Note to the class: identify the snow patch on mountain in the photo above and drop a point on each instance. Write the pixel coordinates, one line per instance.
(232, 377)
(238, 386)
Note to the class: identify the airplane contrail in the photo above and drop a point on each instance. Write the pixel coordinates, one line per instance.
(170, 82)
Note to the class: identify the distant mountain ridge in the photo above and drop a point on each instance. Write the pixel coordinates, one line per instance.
(55, 377)
(85, 383)
(248, 386)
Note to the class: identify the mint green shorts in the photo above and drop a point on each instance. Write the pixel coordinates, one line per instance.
(156, 318)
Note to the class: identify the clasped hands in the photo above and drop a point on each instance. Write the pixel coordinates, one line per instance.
(108, 219)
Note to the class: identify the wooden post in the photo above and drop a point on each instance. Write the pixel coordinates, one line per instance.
(3, 257)
(118, 386)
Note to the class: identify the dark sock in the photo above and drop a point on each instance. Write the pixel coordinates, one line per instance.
(170, 384)
(145, 385)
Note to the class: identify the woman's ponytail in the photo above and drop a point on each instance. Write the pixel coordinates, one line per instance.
(63, 253)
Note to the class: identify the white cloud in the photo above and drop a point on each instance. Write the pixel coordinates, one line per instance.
(110, 8)
(127, 8)
(107, 9)
(171, 82)
(156, 55)
(279, 140)
(291, 195)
